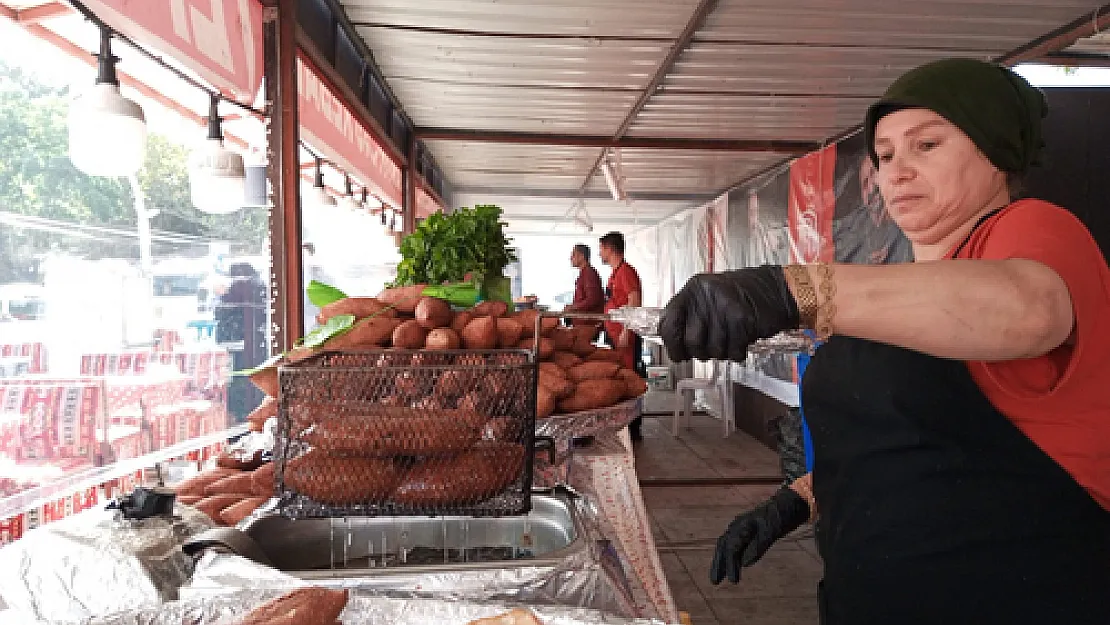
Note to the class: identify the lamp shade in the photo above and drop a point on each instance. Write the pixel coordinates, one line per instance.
(217, 178)
(107, 132)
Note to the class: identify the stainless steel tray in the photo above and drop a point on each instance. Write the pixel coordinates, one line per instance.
(352, 547)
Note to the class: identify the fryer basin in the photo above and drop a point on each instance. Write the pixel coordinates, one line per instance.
(359, 546)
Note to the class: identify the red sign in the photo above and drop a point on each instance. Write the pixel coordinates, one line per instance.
(219, 39)
(327, 124)
(812, 206)
(425, 204)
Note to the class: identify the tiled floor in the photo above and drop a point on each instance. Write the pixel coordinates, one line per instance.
(781, 589)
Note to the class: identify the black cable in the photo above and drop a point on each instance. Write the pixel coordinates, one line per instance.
(89, 15)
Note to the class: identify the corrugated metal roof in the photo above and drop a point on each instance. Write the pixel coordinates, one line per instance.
(662, 19)
(491, 164)
(577, 85)
(756, 69)
(685, 171)
(943, 26)
(548, 216)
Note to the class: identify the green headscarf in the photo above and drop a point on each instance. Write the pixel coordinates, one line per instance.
(998, 109)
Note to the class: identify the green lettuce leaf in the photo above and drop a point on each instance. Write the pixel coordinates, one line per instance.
(321, 294)
(270, 362)
(334, 327)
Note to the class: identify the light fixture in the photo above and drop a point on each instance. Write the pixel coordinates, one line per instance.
(384, 219)
(614, 178)
(349, 201)
(320, 196)
(217, 175)
(107, 132)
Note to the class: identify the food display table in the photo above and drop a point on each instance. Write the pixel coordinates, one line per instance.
(605, 472)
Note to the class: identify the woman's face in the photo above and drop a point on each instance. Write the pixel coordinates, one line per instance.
(933, 178)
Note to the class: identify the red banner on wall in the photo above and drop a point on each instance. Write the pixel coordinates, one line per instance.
(327, 124)
(812, 206)
(425, 204)
(221, 40)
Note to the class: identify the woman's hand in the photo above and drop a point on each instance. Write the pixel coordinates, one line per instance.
(751, 534)
(718, 315)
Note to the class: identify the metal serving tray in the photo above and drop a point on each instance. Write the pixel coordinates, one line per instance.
(351, 547)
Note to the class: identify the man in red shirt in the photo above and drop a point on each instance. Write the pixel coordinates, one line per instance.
(588, 296)
(623, 290)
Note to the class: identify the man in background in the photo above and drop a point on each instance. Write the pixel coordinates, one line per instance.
(588, 295)
(623, 290)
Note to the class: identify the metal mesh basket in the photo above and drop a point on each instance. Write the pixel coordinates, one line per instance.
(407, 433)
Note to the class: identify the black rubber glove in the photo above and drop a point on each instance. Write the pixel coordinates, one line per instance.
(716, 316)
(751, 534)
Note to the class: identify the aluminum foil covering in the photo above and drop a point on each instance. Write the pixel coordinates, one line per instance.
(791, 341)
(96, 563)
(565, 428)
(362, 609)
(588, 578)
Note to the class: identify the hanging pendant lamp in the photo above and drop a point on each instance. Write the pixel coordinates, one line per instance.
(107, 132)
(217, 175)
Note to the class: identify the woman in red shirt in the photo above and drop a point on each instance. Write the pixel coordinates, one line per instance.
(959, 412)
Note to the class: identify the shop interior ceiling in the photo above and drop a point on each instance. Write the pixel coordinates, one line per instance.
(517, 99)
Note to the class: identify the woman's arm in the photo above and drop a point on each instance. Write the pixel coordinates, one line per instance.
(804, 487)
(987, 310)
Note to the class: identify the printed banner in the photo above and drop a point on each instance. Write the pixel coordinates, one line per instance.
(425, 204)
(812, 205)
(863, 231)
(328, 125)
(219, 39)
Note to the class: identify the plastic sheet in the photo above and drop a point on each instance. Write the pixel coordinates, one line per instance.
(565, 428)
(95, 563)
(360, 610)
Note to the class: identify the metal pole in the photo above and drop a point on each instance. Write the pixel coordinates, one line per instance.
(282, 151)
(408, 212)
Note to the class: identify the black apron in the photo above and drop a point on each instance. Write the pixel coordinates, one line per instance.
(935, 508)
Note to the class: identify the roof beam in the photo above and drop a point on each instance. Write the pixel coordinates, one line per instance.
(1075, 59)
(1061, 38)
(8, 12)
(598, 141)
(570, 194)
(693, 25)
(34, 15)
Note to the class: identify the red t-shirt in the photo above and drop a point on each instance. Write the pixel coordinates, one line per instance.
(623, 281)
(1061, 400)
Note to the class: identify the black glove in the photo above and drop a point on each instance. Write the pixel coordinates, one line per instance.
(718, 315)
(751, 534)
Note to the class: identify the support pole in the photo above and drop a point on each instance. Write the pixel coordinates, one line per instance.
(282, 152)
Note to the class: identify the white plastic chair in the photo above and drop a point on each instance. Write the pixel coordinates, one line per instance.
(719, 381)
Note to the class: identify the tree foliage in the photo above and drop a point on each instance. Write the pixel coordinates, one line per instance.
(37, 179)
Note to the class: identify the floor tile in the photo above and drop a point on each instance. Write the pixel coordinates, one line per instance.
(766, 611)
(687, 597)
(680, 496)
(694, 523)
(784, 571)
